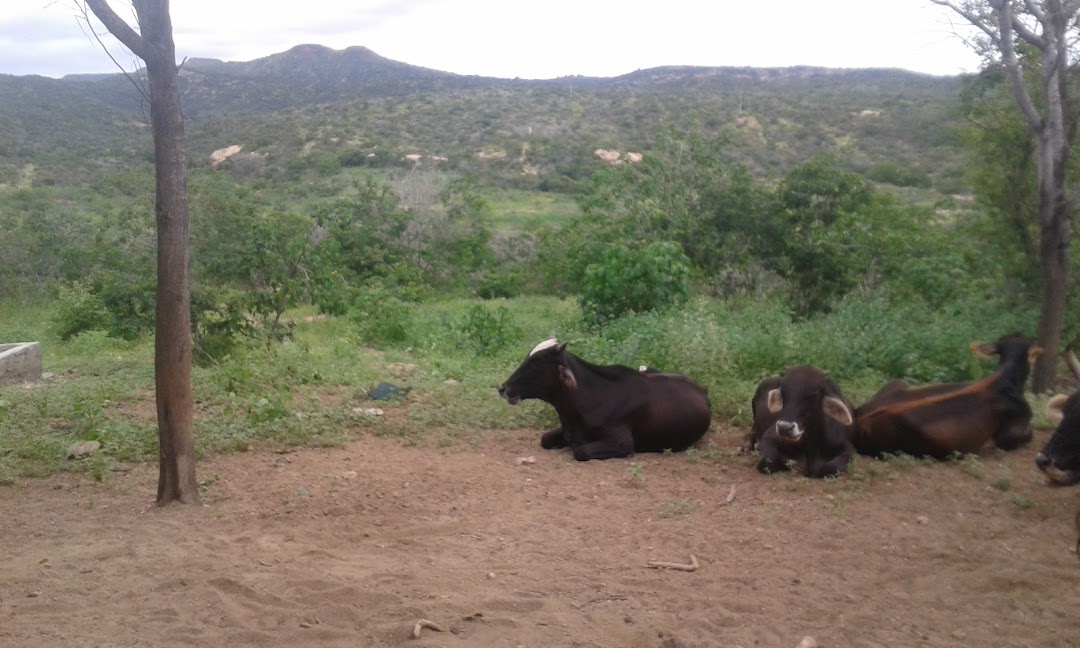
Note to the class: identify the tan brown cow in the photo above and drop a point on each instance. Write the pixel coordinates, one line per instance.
(944, 419)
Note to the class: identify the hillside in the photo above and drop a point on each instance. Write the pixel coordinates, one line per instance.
(300, 106)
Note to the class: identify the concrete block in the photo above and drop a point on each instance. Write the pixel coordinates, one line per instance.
(20, 362)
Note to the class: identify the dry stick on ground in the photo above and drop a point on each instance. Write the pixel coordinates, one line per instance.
(424, 623)
(658, 564)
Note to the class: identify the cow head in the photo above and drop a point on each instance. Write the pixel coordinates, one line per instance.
(1060, 459)
(541, 375)
(799, 401)
(1010, 348)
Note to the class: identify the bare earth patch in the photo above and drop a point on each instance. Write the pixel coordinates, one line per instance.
(353, 546)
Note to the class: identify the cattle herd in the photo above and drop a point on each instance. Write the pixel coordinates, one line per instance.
(801, 418)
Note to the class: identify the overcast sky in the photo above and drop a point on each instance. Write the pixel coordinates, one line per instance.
(506, 38)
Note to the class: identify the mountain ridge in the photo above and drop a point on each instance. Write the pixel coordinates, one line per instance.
(315, 74)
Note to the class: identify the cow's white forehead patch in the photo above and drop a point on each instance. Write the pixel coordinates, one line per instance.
(546, 344)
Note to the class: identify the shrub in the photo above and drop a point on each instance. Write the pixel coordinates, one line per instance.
(381, 317)
(625, 281)
(130, 304)
(79, 311)
(486, 330)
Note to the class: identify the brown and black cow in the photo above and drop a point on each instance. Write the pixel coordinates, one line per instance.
(609, 411)
(1060, 458)
(945, 419)
(801, 418)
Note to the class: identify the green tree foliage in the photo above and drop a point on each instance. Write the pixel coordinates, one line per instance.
(1002, 173)
(455, 245)
(816, 248)
(365, 232)
(627, 280)
(684, 191)
(269, 256)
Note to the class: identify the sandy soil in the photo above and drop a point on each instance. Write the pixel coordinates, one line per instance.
(351, 546)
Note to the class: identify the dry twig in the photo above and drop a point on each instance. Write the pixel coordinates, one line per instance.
(424, 623)
(659, 564)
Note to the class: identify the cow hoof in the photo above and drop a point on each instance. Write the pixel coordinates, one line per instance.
(766, 467)
(553, 439)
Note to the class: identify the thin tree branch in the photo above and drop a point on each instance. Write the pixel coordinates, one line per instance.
(1034, 9)
(1024, 32)
(117, 27)
(1003, 10)
(974, 19)
(85, 19)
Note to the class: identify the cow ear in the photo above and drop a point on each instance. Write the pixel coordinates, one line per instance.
(984, 349)
(1034, 352)
(1055, 408)
(776, 401)
(567, 378)
(561, 347)
(838, 409)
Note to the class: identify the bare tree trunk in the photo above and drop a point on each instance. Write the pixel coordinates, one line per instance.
(1054, 271)
(172, 348)
(172, 344)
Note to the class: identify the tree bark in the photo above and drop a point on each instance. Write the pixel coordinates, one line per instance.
(1054, 271)
(1052, 125)
(172, 343)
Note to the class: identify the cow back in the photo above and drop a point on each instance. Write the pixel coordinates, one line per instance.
(943, 419)
(676, 413)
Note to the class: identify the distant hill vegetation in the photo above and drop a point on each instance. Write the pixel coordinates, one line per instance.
(312, 106)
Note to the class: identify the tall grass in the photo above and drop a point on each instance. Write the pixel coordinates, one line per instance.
(450, 355)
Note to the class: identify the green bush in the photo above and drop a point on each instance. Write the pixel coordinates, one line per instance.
(79, 311)
(485, 330)
(381, 317)
(626, 280)
(130, 304)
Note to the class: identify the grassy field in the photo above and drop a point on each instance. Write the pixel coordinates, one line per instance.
(312, 390)
(528, 211)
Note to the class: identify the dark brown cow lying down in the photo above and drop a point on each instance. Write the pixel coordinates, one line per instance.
(609, 411)
(941, 420)
(801, 417)
(1060, 458)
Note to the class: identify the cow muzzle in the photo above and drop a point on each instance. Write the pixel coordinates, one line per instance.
(1054, 473)
(509, 395)
(789, 431)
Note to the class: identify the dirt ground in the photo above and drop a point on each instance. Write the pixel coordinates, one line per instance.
(352, 546)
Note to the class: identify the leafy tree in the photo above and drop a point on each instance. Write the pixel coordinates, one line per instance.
(462, 243)
(815, 246)
(627, 280)
(684, 191)
(365, 231)
(1003, 171)
(1034, 43)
